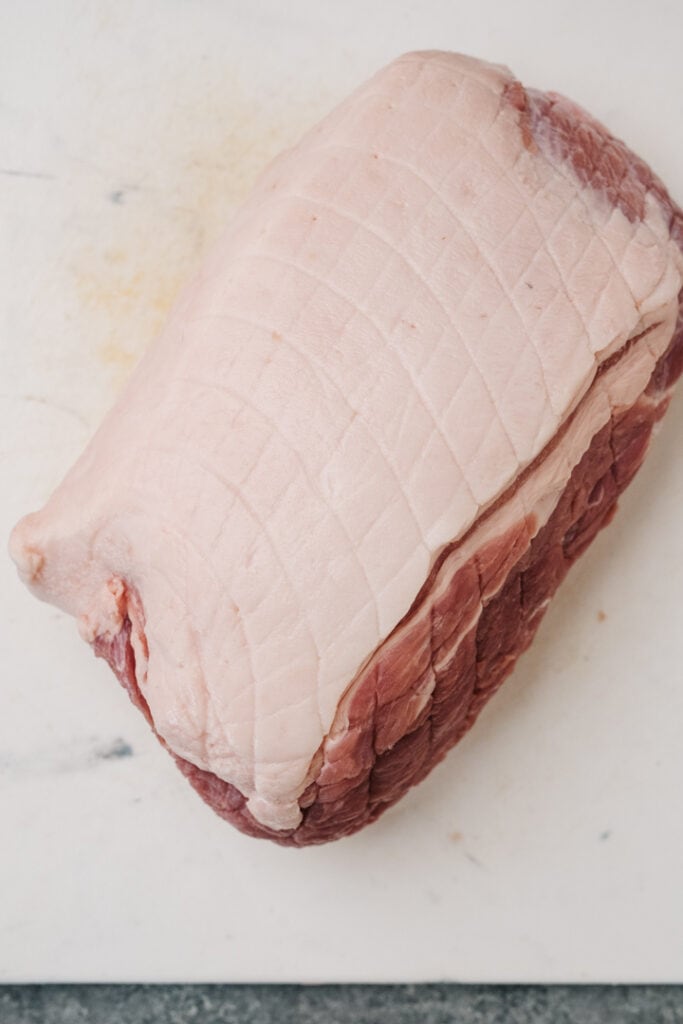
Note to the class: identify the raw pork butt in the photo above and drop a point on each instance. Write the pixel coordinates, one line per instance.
(332, 503)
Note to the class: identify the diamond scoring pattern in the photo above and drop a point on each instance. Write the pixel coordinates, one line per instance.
(355, 284)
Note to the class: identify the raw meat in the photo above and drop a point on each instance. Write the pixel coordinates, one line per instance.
(332, 504)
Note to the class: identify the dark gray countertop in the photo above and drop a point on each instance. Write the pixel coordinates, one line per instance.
(340, 1004)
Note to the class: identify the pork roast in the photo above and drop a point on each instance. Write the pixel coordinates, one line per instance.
(333, 501)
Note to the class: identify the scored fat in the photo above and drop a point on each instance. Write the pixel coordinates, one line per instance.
(334, 499)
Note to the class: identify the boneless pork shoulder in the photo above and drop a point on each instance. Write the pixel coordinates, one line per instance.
(332, 503)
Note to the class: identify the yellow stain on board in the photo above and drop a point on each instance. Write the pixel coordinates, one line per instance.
(149, 233)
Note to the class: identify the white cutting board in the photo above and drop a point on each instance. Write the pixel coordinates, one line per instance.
(549, 845)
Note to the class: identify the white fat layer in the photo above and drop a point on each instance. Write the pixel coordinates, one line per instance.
(397, 323)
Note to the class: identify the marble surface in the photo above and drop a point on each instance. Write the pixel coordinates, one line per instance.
(548, 846)
(335, 1004)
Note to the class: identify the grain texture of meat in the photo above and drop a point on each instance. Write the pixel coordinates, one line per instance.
(333, 502)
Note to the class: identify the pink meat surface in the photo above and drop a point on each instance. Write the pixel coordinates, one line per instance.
(333, 501)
